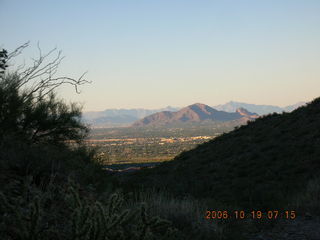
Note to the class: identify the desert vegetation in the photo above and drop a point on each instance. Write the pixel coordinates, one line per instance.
(53, 186)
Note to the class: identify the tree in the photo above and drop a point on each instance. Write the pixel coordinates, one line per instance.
(29, 108)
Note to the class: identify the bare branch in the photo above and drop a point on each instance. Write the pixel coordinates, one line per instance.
(18, 50)
(40, 79)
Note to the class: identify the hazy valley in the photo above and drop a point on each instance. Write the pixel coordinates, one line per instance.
(127, 117)
(160, 135)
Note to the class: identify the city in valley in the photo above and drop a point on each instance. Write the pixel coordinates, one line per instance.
(144, 149)
(150, 145)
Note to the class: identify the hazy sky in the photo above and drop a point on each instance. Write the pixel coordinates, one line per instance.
(155, 53)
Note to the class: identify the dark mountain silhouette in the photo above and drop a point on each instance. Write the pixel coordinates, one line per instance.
(263, 164)
(194, 113)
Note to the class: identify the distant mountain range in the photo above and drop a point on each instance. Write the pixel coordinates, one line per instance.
(119, 117)
(259, 109)
(126, 117)
(265, 164)
(194, 113)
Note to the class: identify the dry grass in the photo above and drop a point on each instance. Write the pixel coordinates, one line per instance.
(186, 214)
(309, 201)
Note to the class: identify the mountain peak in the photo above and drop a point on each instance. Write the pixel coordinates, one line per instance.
(197, 112)
(200, 105)
(244, 112)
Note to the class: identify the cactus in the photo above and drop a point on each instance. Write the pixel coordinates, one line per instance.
(150, 224)
(26, 226)
(65, 214)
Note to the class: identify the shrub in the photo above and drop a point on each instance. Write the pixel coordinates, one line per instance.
(51, 185)
(64, 212)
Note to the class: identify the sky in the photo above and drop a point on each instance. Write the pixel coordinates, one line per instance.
(155, 53)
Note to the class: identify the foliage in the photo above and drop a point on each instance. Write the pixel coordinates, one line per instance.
(3, 61)
(35, 114)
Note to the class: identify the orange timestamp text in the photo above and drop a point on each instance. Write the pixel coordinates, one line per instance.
(254, 214)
